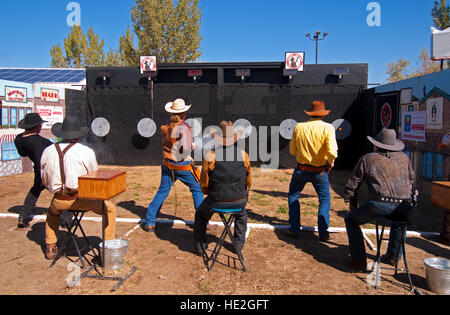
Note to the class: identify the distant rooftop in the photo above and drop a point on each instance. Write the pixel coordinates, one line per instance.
(43, 75)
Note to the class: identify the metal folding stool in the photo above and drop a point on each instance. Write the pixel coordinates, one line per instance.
(384, 222)
(228, 223)
(72, 228)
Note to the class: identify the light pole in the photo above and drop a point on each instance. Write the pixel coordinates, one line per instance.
(316, 37)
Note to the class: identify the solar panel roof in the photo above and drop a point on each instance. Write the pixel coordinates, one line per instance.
(42, 75)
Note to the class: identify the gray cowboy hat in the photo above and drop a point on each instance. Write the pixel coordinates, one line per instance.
(70, 129)
(387, 140)
(30, 121)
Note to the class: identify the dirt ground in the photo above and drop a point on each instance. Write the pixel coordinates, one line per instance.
(166, 265)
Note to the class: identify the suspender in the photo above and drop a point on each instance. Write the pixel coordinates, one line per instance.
(61, 165)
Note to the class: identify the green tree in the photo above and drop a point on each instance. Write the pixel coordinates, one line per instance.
(441, 15)
(397, 71)
(79, 50)
(129, 53)
(58, 58)
(165, 30)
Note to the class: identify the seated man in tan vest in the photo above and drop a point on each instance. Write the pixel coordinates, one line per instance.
(61, 166)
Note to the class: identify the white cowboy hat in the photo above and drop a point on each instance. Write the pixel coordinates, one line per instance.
(177, 107)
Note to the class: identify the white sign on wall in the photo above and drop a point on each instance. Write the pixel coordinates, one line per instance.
(15, 94)
(148, 64)
(295, 61)
(435, 109)
(51, 114)
(413, 126)
(49, 95)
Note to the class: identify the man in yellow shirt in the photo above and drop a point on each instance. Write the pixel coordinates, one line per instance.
(315, 148)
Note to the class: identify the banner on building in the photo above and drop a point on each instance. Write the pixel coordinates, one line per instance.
(51, 114)
(413, 127)
(15, 94)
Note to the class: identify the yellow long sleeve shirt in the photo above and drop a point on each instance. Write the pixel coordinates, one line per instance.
(314, 143)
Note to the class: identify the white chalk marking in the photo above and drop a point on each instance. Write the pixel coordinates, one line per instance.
(249, 225)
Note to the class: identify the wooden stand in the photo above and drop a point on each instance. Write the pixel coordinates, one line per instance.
(103, 185)
(440, 196)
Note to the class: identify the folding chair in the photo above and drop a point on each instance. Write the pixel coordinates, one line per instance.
(228, 223)
(72, 228)
(384, 222)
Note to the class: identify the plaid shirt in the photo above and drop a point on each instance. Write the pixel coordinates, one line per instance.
(388, 174)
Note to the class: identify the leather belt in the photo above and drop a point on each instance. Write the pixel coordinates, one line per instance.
(65, 197)
(394, 200)
(177, 167)
(312, 169)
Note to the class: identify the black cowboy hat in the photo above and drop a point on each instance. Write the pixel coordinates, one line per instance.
(387, 140)
(30, 121)
(70, 129)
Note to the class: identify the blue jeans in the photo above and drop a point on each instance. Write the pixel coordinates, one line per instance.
(167, 182)
(365, 214)
(321, 184)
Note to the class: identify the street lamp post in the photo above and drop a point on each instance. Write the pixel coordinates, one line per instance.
(316, 37)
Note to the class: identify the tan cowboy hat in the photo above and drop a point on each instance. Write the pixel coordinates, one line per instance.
(387, 140)
(229, 135)
(177, 107)
(318, 109)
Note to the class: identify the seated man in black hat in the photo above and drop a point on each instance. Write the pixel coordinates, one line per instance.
(61, 166)
(30, 144)
(390, 177)
(226, 179)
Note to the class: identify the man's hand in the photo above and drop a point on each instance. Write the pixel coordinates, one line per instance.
(329, 167)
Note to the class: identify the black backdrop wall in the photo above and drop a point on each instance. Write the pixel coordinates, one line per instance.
(263, 104)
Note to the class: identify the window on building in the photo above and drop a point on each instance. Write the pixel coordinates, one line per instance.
(432, 166)
(5, 116)
(21, 114)
(9, 152)
(13, 119)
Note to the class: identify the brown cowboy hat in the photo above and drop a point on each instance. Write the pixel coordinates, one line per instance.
(229, 135)
(318, 109)
(387, 140)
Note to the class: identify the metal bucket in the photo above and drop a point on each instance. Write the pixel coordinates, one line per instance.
(438, 275)
(115, 252)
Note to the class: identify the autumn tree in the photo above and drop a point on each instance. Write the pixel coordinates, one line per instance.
(397, 71)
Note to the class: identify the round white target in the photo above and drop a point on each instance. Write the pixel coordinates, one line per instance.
(146, 128)
(100, 127)
(245, 126)
(287, 128)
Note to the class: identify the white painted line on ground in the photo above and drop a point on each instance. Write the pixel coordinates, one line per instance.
(249, 225)
(247, 234)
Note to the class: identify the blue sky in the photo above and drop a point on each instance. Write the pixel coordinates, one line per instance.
(237, 30)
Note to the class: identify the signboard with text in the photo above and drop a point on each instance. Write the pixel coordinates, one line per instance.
(15, 94)
(49, 95)
(148, 64)
(51, 114)
(413, 127)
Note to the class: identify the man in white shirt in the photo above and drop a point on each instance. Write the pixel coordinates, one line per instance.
(77, 160)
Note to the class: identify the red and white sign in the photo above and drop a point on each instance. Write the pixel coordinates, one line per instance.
(15, 94)
(386, 115)
(295, 61)
(413, 126)
(49, 95)
(51, 114)
(148, 64)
